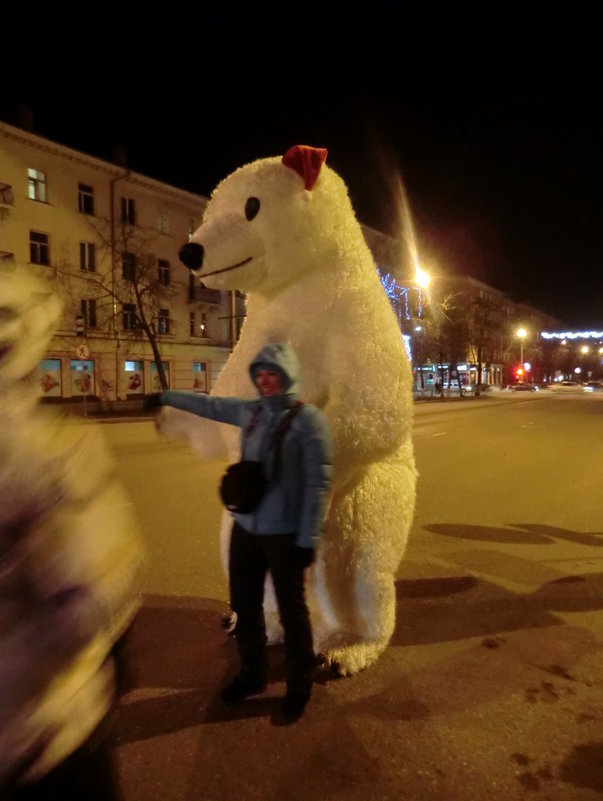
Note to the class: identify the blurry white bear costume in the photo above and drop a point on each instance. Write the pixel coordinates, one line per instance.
(70, 555)
(283, 230)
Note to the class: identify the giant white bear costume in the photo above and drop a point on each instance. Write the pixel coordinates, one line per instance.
(283, 230)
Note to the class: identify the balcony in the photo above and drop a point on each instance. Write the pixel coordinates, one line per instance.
(199, 294)
(7, 199)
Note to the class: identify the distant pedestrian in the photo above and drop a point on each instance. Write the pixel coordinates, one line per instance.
(282, 532)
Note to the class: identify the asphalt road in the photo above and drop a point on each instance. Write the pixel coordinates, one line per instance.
(491, 687)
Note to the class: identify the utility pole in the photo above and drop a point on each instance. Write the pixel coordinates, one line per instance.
(116, 337)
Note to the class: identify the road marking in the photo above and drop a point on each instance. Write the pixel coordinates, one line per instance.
(441, 434)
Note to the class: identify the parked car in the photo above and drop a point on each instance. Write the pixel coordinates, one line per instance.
(523, 387)
(593, 386)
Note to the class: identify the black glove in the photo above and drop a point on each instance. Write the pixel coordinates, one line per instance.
(152, 402)
(305, 556)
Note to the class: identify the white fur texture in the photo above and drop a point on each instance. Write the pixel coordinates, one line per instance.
(312, 283)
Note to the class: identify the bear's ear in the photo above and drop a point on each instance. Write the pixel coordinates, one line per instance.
(306, 161)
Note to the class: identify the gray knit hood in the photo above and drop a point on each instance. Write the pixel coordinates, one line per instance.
(283, 359)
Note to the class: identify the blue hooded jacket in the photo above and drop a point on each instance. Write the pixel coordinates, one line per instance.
(296, 499)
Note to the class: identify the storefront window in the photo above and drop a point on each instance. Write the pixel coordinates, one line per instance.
(156, 384)
(134, 377)
(199, 377)
(82, 377)
(50, 378)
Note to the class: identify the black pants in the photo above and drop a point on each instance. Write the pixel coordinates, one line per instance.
(251, 556)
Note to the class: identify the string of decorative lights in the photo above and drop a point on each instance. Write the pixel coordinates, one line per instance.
(398, 296)
(572, 335)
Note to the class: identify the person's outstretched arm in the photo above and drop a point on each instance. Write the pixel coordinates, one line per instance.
(223, 410)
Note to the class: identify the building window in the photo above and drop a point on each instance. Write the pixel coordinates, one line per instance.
(192, 321)
(129, 319)
(88, 311)
(199, 377)
(36, 184)
(164, 222)
(128, 266)
(39, 249)
(134, 377)
(128, 211)
(163, 321)
(203, 326)
(85, 199)
(88, 257)
(163, 271)
(49, 372)
(82, 377)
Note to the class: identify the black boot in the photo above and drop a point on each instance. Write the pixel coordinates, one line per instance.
(292, 708)
(241, 687)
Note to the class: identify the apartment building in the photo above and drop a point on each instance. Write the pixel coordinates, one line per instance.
(104, 236)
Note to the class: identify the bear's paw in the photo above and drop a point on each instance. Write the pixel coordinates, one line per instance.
(348, 660)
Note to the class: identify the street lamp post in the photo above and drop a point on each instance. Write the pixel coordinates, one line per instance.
(521, 333)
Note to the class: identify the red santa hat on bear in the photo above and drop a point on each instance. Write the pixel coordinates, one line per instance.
(306, 161)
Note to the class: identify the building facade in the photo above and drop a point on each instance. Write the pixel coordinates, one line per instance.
(107, 239)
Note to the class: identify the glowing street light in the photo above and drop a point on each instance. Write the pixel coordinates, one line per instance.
(422, 278)
(584, 349)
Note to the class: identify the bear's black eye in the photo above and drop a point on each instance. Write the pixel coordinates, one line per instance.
(252, 206)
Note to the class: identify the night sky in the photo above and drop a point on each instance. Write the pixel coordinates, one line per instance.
(492, 117)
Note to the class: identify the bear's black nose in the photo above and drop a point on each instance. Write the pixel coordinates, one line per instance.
(191, 255)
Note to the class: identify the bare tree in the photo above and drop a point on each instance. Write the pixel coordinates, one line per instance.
(485, 326)
(454, 336)
(131, 290)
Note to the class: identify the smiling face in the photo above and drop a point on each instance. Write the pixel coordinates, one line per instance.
(269, 383)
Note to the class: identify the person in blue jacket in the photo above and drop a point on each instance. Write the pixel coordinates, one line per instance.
(282, 533)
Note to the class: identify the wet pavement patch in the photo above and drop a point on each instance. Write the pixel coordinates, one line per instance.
(583, 767)
(493, 642)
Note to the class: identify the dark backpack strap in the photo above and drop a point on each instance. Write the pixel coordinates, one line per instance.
(253, 420)
(279, 435)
